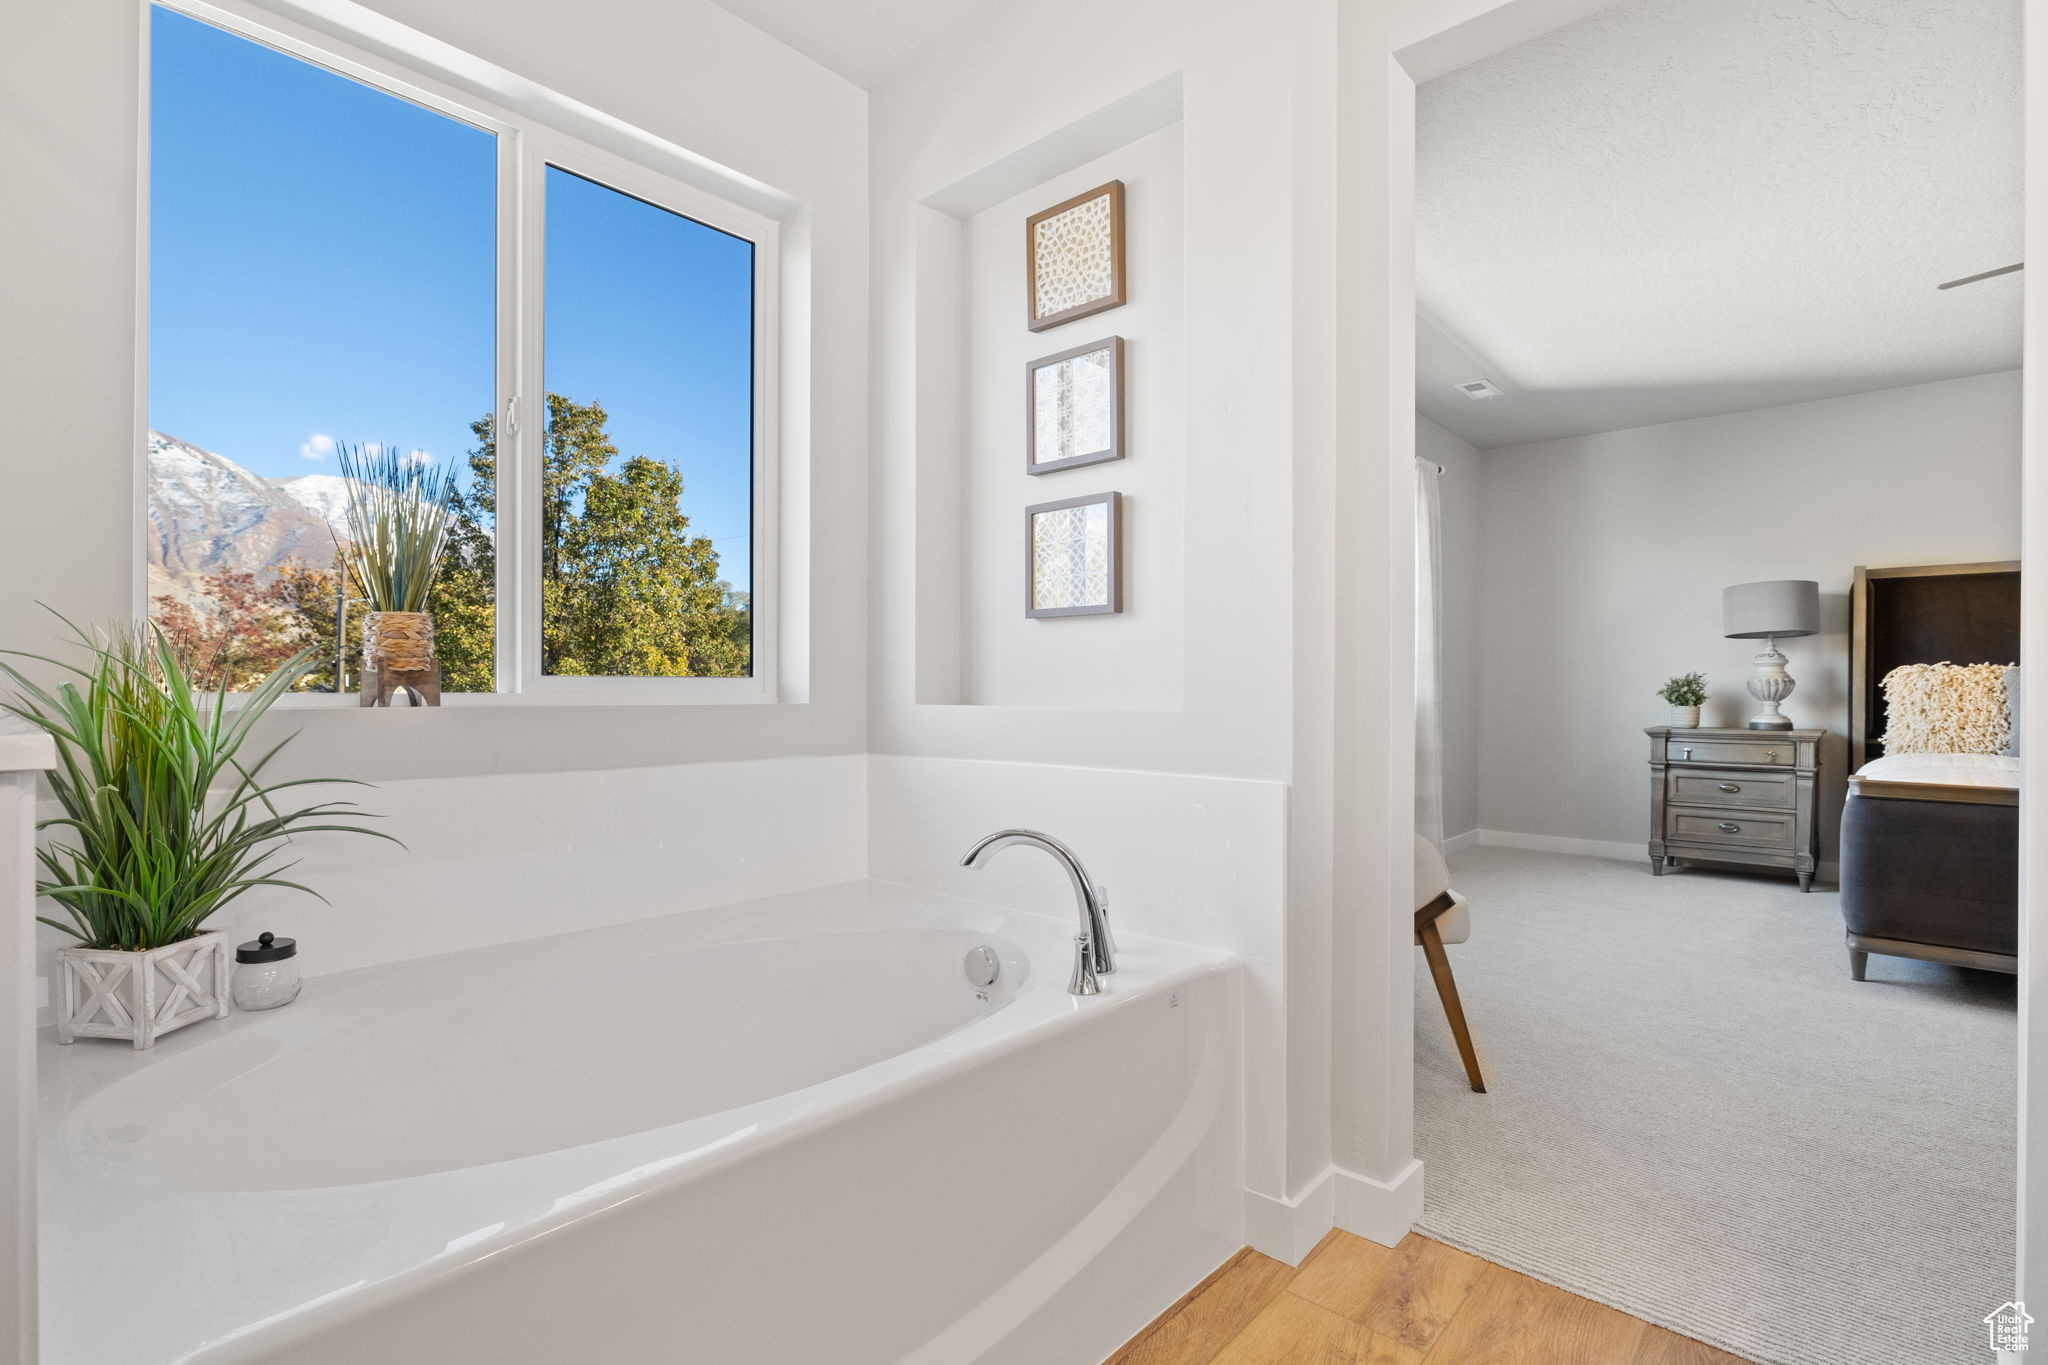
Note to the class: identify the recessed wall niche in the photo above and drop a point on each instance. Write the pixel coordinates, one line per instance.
(975, 646)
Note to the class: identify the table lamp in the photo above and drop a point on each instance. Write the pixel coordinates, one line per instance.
(1766, 611)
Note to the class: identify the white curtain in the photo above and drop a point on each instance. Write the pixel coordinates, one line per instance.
(1429, 653)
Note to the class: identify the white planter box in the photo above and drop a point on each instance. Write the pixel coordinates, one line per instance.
(106, 993)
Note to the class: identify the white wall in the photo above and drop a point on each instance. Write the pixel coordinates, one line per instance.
(1463, 589)
(1007, 111)
(1606, 556)
(1132, 660)
(69, 77)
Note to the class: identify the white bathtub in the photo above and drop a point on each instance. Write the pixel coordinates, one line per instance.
(784, 1131)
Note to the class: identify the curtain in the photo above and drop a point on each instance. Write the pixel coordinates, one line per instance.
(1429, 653)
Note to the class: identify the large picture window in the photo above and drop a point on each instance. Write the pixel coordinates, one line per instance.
(341, 257)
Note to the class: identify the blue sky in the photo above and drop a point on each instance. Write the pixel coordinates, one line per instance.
(322, 267)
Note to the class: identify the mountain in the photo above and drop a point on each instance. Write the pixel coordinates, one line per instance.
(208, 515)
(324, 495)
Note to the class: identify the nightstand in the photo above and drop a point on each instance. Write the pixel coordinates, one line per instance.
(1744, 797)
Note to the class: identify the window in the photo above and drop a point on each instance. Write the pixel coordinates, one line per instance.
(347, 255)
(647, 346)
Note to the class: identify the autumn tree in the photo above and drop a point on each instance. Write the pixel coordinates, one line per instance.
(233, 623)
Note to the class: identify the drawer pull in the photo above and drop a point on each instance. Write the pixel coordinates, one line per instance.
(1727, 828)
(1688, 751)
(1770, 755)
(1730, 787)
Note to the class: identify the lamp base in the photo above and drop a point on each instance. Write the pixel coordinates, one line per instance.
(1770, 684)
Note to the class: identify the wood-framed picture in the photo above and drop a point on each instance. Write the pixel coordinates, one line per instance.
(1074, 407)
(1073, 557)
(1074, 257)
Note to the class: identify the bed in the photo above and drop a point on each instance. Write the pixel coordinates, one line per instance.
(1930, 841)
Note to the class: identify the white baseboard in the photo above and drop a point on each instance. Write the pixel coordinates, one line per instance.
(1555, 843)
(1828, 872)
(1288, 1229)
(1379, 1211)
(1458, 843)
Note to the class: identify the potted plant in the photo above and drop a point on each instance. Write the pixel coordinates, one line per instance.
(399, 514)
(164, 823)
(1684, 694)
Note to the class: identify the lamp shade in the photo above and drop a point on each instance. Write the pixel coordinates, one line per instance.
(1786, 606)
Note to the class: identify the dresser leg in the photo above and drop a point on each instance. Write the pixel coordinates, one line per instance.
(1806, 881)
(1656, 867)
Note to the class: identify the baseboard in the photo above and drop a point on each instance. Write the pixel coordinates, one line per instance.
(1288, 1229)
(1380, 1211)
(1458, 843)
(1554, 843)
(1828, 872)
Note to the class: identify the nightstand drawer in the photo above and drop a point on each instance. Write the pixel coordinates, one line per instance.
(1732, 829)
(1735, 787)
(1772, 752)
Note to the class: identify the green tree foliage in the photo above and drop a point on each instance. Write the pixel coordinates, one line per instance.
(626, 589)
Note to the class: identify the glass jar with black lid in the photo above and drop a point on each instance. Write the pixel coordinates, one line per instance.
(266, 973)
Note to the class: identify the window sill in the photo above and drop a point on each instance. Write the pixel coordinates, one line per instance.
(751, 694)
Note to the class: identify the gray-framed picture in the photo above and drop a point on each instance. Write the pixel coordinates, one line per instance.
(1074, 257)
(1073, 557)
(1074, 407)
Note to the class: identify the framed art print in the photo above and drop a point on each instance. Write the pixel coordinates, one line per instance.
(1074, 257)
(1074, 407)
(1073, 557)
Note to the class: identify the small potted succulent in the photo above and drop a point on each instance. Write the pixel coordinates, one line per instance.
(1684, 694)
(165, 821)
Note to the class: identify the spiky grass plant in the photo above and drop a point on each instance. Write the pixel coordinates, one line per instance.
(399, 514)
(164, 824)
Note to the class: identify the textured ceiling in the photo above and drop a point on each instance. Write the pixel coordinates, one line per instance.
(863, 40)
(1682, 207)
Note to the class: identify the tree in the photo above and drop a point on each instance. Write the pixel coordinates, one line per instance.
(240, 630)
(626, 589)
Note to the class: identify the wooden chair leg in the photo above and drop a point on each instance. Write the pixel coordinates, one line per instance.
(1447, 990)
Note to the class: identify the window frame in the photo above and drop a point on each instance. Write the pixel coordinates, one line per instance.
(526, 146)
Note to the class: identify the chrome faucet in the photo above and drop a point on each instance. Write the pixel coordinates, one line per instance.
(1094, 949)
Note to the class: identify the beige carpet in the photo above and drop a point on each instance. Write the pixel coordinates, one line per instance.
(1694, 1115)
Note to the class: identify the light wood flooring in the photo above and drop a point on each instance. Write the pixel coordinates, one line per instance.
(1354, 1302)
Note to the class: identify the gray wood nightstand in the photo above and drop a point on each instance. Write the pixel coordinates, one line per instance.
(1735, 796)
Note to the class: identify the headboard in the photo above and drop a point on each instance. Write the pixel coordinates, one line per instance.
(1924, 614)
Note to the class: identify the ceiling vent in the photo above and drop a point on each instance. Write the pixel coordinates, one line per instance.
(1478, 388)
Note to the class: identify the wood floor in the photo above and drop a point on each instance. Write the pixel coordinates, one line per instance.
(1354, 1302)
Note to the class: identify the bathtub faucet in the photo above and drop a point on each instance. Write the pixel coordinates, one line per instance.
(1094, 949)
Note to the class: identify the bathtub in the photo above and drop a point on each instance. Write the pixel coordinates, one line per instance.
(788, 1130)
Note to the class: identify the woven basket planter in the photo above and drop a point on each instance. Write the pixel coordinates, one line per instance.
(398, 654)
(107, 993)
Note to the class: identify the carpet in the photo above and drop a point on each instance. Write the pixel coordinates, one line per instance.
(1695, 1116)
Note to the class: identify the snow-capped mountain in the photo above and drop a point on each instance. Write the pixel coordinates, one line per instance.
(324, 495)
(208, 515)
